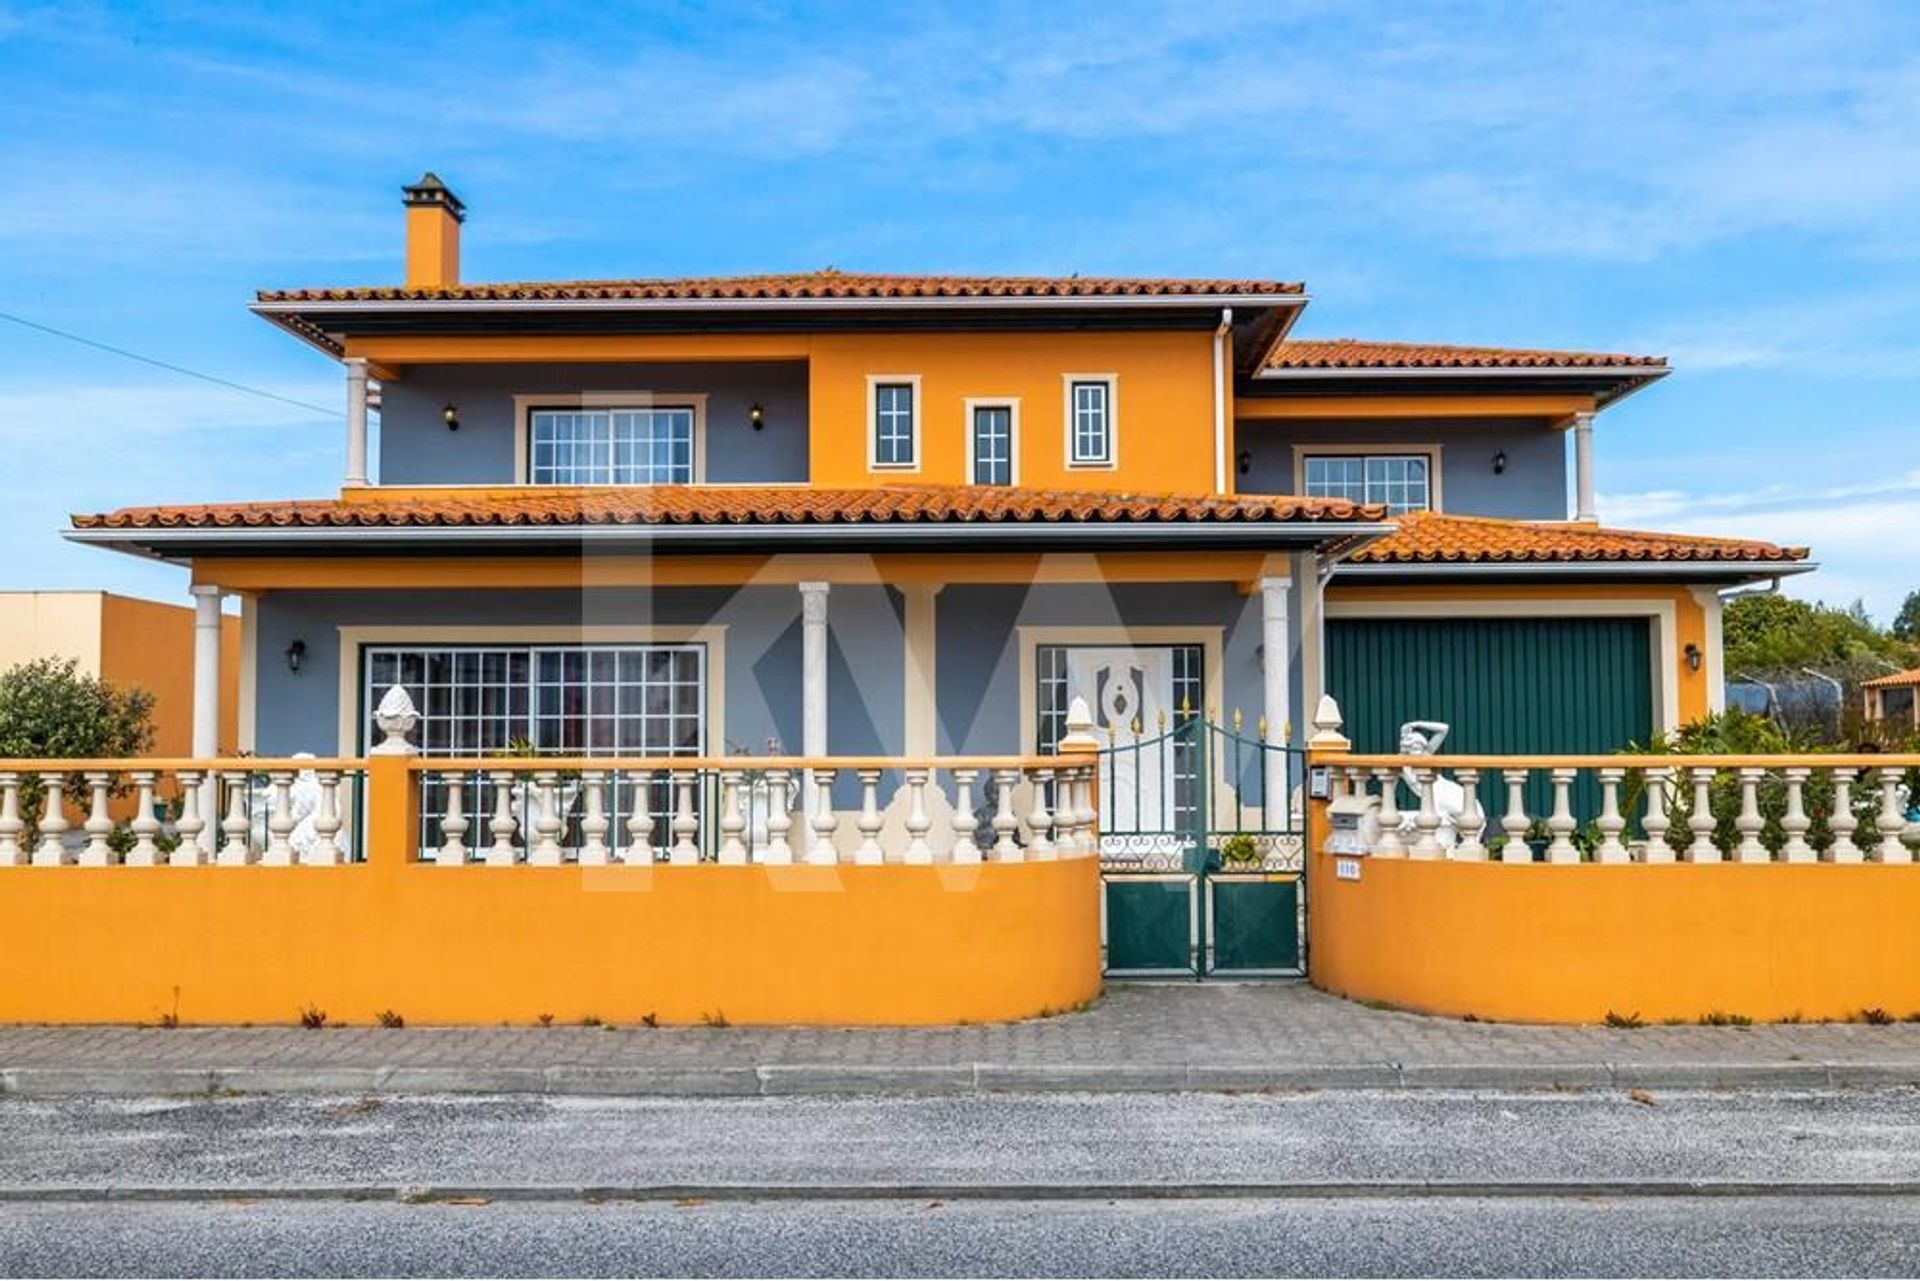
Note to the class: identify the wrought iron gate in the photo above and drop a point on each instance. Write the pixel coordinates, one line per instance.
(1202, 854)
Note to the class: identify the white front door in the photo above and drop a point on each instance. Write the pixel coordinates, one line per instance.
(1131, 694)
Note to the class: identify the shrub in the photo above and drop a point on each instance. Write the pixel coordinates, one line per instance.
(389, 1018)
(49, 709)
(312, 1017)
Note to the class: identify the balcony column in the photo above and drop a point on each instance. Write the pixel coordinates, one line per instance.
(1277, 697)
(1584, 508)
(813, 678)
(356, 421)
(206, 699)
(921, 731)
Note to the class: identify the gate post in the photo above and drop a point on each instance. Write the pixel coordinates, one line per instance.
(1328, 747)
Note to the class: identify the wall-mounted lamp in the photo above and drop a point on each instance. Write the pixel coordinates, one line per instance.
(1693, 657)
(1245, 461)
(757, 415)
(451, 416)
(1500, 463)
(296, 655)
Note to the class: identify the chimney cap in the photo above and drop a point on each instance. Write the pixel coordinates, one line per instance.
(431, 191)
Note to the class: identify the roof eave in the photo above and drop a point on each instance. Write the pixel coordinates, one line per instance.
(1734, 571)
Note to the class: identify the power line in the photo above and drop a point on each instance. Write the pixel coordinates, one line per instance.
(161, 364)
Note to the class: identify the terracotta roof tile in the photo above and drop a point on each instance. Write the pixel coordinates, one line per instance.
(824, 286)
(1353, 353)
(1893, 681)
(736, 505)
(1426, 538)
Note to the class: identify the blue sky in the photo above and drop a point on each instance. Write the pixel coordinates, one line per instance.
(1735, 186)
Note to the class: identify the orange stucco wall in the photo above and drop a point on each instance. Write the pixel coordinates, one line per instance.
(755, 944)
(150, 644)
(1568, 943)
(1163, 404)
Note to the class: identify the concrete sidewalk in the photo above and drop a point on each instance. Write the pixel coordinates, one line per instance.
(1172, 1036)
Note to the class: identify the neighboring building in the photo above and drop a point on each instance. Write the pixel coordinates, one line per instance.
(125, 641)
(1893, 698)
(900, 515)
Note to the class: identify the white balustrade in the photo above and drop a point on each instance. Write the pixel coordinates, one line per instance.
(1701, 821)
(1748, 822)
(236, 829)
(1795, 822)
(188, 851)
(686, 823)
(594, 823)
(824, 821)
(1390, 846)
(1470, 842)
(733, 823)
(1841, 848)
(503, 826)
(1005, 823)
(452, 850)
(1426, 820)
(52, 849)
(279, 851)
(919, 821)
(869, 821)
(1610, 823)
(1039, 821)
(1658, 817)
(99, 825)
(145, 851)
(328, 819)
(640, 821)
(11, 824)
(548, 822)
(1514, 823)
(1561, 824)
(779, 851)
(1892, 820)
(965, 821)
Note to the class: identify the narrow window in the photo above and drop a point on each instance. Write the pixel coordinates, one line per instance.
(1091, 428)
(1400, 482)
(993, 444)
(894, 443)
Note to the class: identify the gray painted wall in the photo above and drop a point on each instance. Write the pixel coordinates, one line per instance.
(1533, 487)
(866, 714)
(977, 663)
(417, 449)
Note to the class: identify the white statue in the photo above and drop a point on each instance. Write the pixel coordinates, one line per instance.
(304, 801)
(1423, 738)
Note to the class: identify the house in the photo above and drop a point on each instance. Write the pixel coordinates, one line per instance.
(895, 516)
(126, 641)
(1892, 698)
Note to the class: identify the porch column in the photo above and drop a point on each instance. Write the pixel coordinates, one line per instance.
(921, 732)
(813, 676)
(1583, 468)
(356, 421)
(1275, 657)
(206, 701)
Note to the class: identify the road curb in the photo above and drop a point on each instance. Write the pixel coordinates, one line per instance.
(688, 1193)
(785, 1079)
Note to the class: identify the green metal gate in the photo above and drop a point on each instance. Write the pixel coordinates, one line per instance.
(1504, 686)
(1202, 855)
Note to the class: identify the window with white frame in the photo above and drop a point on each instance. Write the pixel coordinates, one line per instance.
(1090, 422)
(570, 700)
(992, 444)
(1400, 482)
(612, 445)
(895, 425)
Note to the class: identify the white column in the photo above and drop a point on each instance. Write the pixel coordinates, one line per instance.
(356, 421)
(1583, 468)
(922, 722)
(1276, 653)
(206, 699)
(813, 678)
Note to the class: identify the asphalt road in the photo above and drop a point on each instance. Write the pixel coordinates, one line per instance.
(1343, 1183)
(1359, 1237)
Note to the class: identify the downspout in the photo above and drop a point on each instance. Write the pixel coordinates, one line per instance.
(1220, 400)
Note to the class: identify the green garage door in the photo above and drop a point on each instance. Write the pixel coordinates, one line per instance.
(1505, 685)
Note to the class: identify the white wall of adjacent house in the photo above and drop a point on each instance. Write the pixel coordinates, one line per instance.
(52, 625)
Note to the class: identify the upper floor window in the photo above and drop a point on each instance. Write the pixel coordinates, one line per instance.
(990, 442)
(651, 445)
(1089, 422)
(1402, 482)
(896, 422)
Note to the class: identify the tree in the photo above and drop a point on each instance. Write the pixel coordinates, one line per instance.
(1906, 623)
(49, 710)
(1770, 632)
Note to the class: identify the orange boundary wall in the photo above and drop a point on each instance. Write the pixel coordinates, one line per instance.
(1568, 943)
(473, 944)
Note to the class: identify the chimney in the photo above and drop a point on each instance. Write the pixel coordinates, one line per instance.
(434, 215)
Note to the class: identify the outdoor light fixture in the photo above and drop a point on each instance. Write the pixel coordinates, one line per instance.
(1245, 460)
(296, 655)
(757, 415)
(1500, 463)
(1693, 657)
(451, 417)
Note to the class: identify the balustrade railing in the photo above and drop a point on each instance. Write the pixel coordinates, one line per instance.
(233, 812)
(1649, 809)
(755, 810)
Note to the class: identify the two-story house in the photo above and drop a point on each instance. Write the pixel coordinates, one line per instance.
(883, 515)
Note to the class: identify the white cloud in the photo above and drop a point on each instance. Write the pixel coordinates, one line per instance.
(1862, 536)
